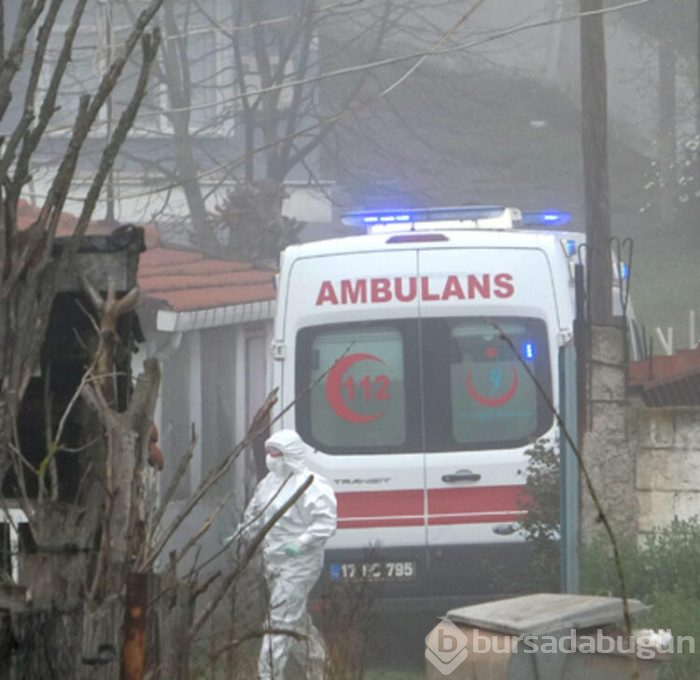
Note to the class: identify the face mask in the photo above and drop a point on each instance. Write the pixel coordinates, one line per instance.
(275, 464)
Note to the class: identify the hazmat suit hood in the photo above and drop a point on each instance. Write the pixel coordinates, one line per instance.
(292, 448)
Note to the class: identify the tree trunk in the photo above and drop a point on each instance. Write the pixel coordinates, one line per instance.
(101, 640)
(128, 436)
(65, 538)
(169, 626)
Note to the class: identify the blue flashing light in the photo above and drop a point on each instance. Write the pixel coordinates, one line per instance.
(456, 213)
(570, 247)
(528, 350)
(624, 270)
(547, 218)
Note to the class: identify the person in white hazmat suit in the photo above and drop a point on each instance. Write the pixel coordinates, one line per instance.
(292, 553)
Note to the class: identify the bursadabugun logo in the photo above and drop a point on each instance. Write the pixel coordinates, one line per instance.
(446, 647)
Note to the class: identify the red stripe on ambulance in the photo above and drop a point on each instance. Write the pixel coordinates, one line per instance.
(482, 505)
(357, 504)
(476, 499)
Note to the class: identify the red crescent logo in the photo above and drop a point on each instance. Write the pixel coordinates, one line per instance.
(333, 389)
(493, 402)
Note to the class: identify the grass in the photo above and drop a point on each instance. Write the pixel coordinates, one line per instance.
(663, 573)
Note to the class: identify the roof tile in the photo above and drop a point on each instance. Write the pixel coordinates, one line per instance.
(181, 280)
(221, 296)
(169, 282)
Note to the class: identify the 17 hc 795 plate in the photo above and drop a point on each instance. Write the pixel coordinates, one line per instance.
(400, 570)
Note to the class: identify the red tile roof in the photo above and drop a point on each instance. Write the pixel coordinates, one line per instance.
(175, 279)
(184, 280)
(668, 380)
(28, 213)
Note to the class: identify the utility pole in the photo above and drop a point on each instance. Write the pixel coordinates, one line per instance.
(594, 136)
(599, 276)
(667, 153)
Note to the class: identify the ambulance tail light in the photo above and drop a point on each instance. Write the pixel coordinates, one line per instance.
(425, 219)
(569, 246)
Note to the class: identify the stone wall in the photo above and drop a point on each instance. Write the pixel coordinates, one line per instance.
(644, 462)
(608, 442)
(667, 464)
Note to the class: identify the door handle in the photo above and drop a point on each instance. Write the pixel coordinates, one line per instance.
(461, 476)
(505, 529)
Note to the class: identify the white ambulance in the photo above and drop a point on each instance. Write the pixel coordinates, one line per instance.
(417, 410)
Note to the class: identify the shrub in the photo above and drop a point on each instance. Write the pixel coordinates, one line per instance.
(541, 523)
(661, 571)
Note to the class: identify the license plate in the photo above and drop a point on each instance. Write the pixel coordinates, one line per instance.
(373, 571)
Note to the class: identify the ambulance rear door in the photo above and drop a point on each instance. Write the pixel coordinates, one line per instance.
(481, 408)
(355, 351)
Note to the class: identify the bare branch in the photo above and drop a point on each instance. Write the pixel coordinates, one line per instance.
(48, 107)
(29, 14)
(150, 45)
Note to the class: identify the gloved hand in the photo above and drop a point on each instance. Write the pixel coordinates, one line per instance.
(293, 549)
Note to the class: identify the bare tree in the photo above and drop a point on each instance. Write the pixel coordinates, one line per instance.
(242, 97)
(35, 265)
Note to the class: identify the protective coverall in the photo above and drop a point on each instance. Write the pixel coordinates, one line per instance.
(292, 553)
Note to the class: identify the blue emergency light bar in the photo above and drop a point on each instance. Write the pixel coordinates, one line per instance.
(372, 218)
(545, 218)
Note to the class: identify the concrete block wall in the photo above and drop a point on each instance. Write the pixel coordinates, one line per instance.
(667, 474)
(609, 444)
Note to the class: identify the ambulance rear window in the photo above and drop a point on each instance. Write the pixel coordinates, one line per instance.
(436, 384)
(492, 397)
(358, 394)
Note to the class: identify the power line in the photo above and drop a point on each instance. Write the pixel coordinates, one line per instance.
(420, 56)
(390, 61)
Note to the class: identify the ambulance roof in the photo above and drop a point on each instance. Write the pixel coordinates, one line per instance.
(453, 238)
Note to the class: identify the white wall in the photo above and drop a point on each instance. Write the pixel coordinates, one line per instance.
(215, 379)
